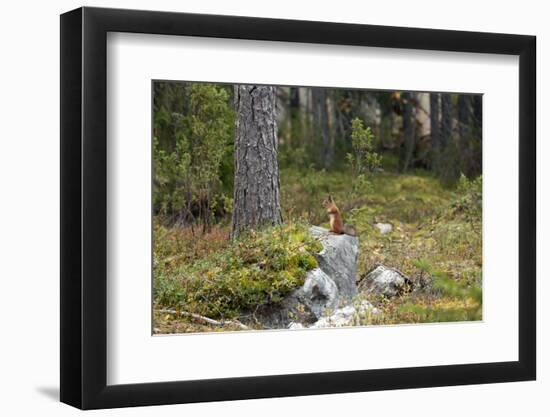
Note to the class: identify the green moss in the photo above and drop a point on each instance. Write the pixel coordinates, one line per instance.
(260, 268)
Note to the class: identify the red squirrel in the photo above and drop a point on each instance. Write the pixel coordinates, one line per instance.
(337, 225)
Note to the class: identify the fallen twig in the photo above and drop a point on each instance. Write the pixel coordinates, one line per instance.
(204, 318)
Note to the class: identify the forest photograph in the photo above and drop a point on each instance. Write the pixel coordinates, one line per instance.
(290, 207)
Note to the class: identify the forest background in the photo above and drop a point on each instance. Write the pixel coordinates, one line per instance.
(412, 160)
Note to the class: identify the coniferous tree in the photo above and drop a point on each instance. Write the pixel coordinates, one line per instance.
(407, 146)
(464, 110)
(256, 185)
(295, 119)
(321, 127)
(435, 130)
(446, 119)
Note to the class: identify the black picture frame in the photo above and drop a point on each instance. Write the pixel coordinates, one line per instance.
(84, 207)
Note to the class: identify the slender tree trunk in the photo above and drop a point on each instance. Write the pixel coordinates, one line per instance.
(464, 109)
(446, 119)
(320, 122)
(477, 109)
(256, 188)
(450, 166)
(339, 116)
(408, 132)
(386, 120)
(435, 131)
(295, 120)
(346, 114)
(331, 123)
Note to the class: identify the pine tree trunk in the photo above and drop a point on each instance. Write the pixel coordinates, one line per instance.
(408, 132)
(295, 119)
(446, 119)
(320, 122)
(435, 131)
(450, 166)
(464, 110)
(256, 187)
(477, 110)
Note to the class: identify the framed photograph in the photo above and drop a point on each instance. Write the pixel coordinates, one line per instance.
(256, 208)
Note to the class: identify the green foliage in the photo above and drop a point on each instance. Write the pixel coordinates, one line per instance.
(189, 152)
(302, 192)
(471, 297)
(295, 157)
(469, 200)
(364, 160)
(171, 172)
(430, 236)
(313, 184)
(260, 268)
(444, 300)
(436, 215)
(449, 165)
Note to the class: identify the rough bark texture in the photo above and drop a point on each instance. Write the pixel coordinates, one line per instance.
(256, 187)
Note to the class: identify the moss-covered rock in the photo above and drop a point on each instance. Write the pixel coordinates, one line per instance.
(261, 267)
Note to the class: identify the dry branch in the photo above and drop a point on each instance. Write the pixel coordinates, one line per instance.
(204, 318)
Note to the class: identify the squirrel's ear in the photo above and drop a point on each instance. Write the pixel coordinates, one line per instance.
(330, 198)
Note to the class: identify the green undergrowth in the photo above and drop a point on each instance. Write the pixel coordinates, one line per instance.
(215, 277)
(436, 240)
(444, 300)
(441, 225)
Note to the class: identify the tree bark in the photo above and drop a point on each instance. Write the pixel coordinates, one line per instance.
(256, 200)
(477, 111)
(450, 162)
(320, 122)
(477, 116)
(446, 119)
(295, 119)
(464, 110)
(435, 131)
(408, 132)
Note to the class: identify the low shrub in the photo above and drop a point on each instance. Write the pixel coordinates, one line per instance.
(260, 268)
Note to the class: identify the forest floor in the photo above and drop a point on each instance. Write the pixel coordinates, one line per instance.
(435, 238)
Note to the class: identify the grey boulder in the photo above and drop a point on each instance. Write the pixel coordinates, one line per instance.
(306, 304)
(345, 316)
(385, 281)
(326, 288)
(318, 293)
(338, 260)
